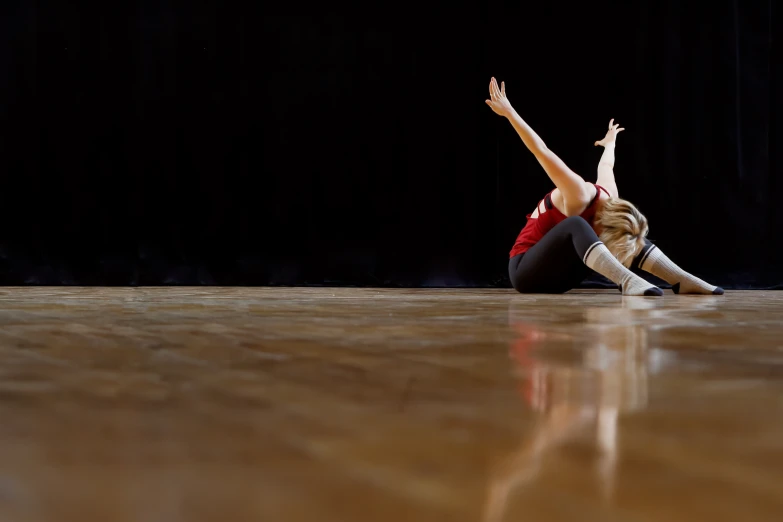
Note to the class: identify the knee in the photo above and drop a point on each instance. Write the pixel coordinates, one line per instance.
(581, 233)
(577, 221)
(578, 225)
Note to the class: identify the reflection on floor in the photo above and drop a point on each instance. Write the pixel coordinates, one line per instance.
(201, 404)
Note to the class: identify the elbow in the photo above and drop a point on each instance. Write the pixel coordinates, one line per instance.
(540, 149)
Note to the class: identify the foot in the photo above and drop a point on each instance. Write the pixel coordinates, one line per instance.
(651, 291)
(637, 286)
(694, 285)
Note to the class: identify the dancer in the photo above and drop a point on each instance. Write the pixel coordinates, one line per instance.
(580, 226)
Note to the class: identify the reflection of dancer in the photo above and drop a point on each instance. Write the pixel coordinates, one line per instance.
(580, 225)
(573, 400)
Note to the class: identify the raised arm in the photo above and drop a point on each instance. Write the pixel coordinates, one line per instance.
(606, 163)
(575, 191)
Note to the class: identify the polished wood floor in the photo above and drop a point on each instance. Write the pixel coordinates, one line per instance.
(343, 405)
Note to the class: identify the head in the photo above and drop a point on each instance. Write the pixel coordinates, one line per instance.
(622, 228)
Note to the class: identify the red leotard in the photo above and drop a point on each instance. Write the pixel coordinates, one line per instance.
(536, 228)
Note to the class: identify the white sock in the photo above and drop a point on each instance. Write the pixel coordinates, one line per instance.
(656, 263)
(602, 261)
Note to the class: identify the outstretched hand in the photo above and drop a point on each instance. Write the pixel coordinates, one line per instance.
(498, 101)
(611, 134)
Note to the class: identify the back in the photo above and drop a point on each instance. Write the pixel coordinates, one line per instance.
(537, 227)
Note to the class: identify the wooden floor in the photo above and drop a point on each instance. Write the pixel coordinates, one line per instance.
(343, 405)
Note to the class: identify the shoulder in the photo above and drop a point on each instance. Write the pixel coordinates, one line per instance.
(575, 206)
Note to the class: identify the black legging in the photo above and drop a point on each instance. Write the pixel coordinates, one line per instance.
(554, 265)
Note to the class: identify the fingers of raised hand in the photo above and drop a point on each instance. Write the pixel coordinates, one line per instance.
(611, 123)
(494, 90)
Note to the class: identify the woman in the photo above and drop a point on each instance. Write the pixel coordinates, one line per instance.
(581, 226)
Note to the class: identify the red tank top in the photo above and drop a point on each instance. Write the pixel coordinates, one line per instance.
(536, 228)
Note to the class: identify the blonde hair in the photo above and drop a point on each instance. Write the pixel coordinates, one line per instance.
(623, 229)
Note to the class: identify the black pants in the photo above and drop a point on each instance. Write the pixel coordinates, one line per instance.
(554, 265)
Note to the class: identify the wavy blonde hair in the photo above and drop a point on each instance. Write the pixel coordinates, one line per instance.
(623, 229)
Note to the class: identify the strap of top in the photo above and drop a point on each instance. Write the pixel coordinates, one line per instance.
(600, 188)
(548, 202)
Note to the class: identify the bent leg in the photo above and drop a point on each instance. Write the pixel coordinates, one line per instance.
(560, 261)
(554, 265)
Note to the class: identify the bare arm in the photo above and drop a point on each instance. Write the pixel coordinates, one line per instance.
(606, 170)
(573, 188)
(606, 163)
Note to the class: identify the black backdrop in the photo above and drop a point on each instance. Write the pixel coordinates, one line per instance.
(193, 142)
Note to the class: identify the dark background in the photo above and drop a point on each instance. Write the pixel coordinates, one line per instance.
(197, 142)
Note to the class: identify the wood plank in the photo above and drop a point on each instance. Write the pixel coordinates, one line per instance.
(303, 404)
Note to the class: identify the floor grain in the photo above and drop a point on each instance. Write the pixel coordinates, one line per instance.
(284, 404)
